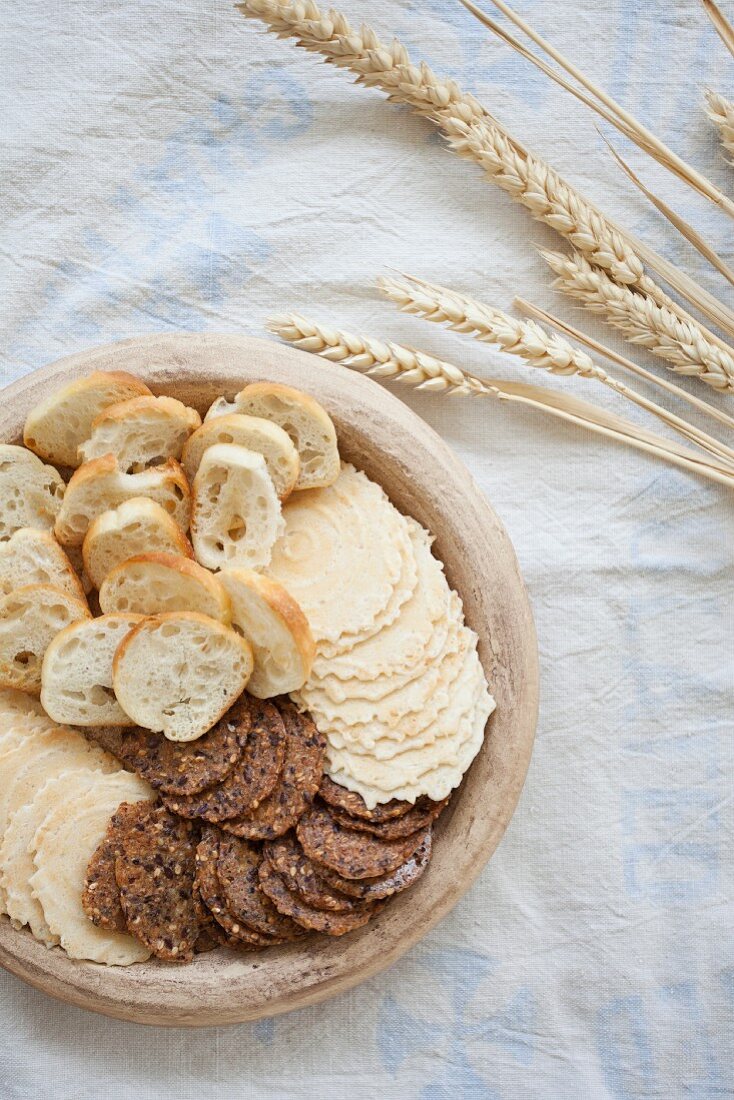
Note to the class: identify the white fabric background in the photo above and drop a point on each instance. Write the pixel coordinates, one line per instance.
(169, 167)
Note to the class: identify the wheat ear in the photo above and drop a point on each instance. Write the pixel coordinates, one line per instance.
(722, 25)
(547, 318)
(531, 342)
(664, 332)
(721, 112)
(472, 132)
(385, 359)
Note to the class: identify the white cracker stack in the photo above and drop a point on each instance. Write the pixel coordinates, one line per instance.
(396, 686)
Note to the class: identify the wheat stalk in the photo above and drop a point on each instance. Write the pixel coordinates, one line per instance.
(386, 359)
(722, 25)
(542, 315)
(530, 341)
(472, 132)
(604, 105)
(661, 330)
(721, 112)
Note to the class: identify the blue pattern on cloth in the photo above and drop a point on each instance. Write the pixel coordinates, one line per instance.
(170, 167)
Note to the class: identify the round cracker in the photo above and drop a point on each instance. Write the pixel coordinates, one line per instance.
(354, 805)
(228, 929)
(302, 772)
(293, 907)
(350, 853)
(415, 819)
(286, 856)
(154, 869)
(253, 777)
(101, 894)
(384, 886)
(237, 869)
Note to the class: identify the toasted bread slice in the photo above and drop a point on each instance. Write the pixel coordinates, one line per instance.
(76, 675)
(57, 426)
(235, 516)
(178, 673)
(29, 619)
(100, 485)
(31, 556)
(137, 526)
(141, 432)
(151, 584)
(275, 627)
(30, 492)
(308, 424)
(254, 433)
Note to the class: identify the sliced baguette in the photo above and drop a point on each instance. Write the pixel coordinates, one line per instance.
(308, 424)
(254, 433)
(235, 515)
(29, 620)
(178, 673)
(141, 432)
(76, 675)
(151, 584)
(57, 426)
(31, 556)
(30, 492)
(100, 485)
(137, 526)
(275, 627)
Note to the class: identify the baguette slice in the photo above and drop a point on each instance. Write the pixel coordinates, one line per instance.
(235, 516)
(100, 485)
(31, 556)
(30, 492)
(178, 673)
(141, 432)
(29, 620)
(254, 433)
(137, 526)
(57, 426)
(151, 584)
(76, 675)
(308, 424)
(275, 627)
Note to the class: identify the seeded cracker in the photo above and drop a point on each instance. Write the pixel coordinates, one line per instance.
(101, 895)
(154, 869)
(237, 867)
(185, 768)
(352, 803)
(286, 856)
(302, 772)
(253, 778)
(399, 827)
(384, 886)
(349, 853)
(315, 920)
(228, 929)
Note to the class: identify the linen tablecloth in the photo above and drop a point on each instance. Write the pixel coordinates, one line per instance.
(170, 167)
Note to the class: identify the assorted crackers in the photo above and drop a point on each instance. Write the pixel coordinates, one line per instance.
(270, 689)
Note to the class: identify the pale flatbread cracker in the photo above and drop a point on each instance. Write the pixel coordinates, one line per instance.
(63, 845)
(338, 557)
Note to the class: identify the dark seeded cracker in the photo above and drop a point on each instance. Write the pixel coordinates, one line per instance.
(253, 777)
(154, 869)
(384, 886)
(315, 920)
(237, 868)
(350, 853)
(228, 929)
(286, 856)
(299, 781)
(399, 827)
(101, 894)
(352, 803)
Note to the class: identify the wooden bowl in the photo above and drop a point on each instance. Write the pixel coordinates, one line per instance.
(423, 478)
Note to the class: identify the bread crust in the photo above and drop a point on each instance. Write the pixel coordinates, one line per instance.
(241, 422)
(47, 411)
(185, 567)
